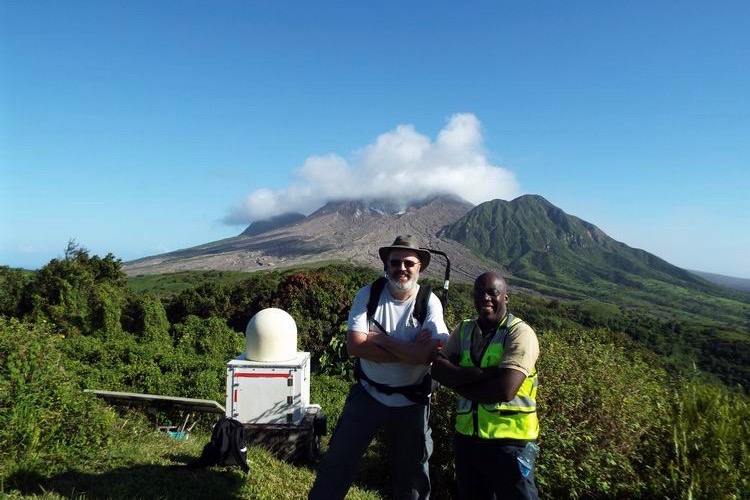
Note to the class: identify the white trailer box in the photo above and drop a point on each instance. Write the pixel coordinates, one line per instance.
(268, 392)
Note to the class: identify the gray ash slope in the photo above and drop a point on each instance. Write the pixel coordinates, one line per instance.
(343, 231)
(530, 240)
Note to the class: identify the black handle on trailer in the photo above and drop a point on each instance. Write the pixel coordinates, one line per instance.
(446, 281)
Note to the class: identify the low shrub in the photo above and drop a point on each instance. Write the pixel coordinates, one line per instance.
(46, 422)
(191, 362)
(708, 455)
(602, 416)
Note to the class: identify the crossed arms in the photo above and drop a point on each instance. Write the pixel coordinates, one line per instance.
(379, 346)
(481, 385)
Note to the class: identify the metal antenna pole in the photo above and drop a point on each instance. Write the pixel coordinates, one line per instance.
(446, 281)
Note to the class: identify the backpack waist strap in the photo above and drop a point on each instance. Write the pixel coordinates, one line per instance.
(418, 393)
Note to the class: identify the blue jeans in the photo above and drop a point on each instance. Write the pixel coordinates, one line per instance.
(488, 470)
(408, 438)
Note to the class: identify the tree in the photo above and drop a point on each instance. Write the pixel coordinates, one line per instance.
(78, 292)
(12, 283)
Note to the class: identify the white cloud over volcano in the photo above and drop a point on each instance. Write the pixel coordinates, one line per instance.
(402, 164)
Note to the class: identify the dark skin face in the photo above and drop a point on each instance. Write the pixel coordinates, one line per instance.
(491, 384)
(490, 299)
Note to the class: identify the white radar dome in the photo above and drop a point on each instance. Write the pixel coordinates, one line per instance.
(271, 335)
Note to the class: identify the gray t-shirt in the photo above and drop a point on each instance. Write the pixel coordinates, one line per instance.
(396, 317)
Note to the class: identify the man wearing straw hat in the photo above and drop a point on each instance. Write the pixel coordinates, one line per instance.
(394, 350)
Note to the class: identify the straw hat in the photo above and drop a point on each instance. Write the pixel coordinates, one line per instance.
(407, 242)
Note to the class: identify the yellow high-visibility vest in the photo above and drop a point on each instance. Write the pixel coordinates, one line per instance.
(516, 419)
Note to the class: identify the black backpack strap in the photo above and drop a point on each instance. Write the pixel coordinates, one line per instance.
(376, 288)
(420, 305)
(417, 393)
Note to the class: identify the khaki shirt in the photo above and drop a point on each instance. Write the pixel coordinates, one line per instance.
(520, 352)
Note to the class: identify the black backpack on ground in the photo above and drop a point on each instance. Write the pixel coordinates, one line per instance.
(227, 446)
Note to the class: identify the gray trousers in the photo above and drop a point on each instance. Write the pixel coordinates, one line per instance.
(408, 438)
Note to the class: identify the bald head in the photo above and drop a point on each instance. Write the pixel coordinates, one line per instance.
(490, 297)
(491, 276)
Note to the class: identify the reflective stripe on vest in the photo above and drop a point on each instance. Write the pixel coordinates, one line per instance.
(515, 419)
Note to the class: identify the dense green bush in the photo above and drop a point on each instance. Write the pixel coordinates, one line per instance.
(190, 363)
(205, 300)
(330, 393)
(708, 453)
(12, 284)
(602, 416)
(442, 423)
(615, 424)
(334, 357)
(203, 348)
(46, 422)
(78, 293)
(319, 302)
(250, 296)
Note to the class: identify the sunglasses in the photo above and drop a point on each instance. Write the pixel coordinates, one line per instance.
(408, 264)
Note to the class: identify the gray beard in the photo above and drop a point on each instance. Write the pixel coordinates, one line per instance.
(397, 286)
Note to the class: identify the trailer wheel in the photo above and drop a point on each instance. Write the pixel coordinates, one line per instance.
(312, 450)
(320, 425)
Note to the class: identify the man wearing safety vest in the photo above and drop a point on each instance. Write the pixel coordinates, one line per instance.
(490, 363)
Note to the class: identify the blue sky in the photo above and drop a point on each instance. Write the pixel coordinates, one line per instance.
(141, 127)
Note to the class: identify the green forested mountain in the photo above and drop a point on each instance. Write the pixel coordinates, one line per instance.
(550, 251)
(669, 310)
(536, 240)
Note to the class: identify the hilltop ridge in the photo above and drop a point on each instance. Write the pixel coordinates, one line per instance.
(536, 244)
(346, 231)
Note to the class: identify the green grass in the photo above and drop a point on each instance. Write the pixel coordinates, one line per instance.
(151, 465)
